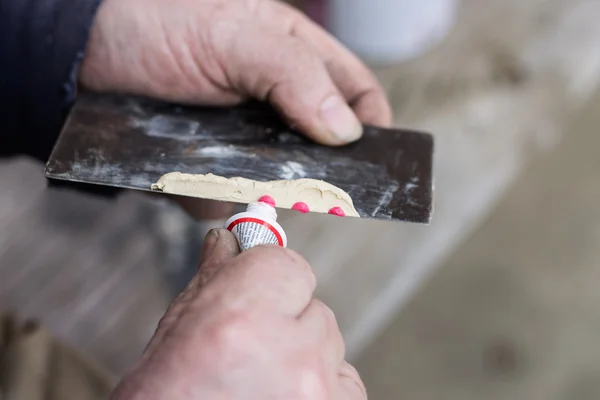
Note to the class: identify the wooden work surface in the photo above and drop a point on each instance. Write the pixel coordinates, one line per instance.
(497, 91)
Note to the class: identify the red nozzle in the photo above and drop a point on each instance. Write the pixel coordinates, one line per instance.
(337, 211)
(267, 200)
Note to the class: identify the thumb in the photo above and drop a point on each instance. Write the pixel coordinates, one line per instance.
(219, 246)
(290, 75)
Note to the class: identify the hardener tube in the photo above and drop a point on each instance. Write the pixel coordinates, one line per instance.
(258, 225)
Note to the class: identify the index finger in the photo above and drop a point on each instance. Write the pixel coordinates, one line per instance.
(353, 78)
(264, 277)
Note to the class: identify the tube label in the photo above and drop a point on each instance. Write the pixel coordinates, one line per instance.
(252, 232)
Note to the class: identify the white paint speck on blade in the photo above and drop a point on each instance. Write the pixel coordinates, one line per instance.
(165, 126)
(221, 151)
(409, 187)
(292, 170)
(386, 197)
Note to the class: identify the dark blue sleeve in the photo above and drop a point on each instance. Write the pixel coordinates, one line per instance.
(42, 43)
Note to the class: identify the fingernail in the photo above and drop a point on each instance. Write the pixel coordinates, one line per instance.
(340, 119)
(210, 241)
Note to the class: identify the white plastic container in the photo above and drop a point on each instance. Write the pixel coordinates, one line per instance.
(258, 225)
(387, 31)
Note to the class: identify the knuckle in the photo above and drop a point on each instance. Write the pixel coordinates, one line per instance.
(291, 259)
(173, 313)
(165, 322)
(331, 326)
(231, 331)
(314, 384)
(297, 259)
(278, 263)
(327, 313)
(296, 59)
(276, 257)
(254, 6)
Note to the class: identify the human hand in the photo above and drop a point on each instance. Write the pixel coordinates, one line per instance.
(220, 52)
(246, 327)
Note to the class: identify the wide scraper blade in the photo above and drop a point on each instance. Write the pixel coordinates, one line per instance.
(130, 142)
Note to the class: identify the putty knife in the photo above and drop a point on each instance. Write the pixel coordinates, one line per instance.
(130, 142)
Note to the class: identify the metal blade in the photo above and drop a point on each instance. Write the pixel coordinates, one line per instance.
(130, 142)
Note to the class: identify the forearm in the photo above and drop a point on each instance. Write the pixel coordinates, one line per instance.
(42, 44)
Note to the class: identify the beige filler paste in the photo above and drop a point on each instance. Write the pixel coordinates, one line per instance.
(319, 195)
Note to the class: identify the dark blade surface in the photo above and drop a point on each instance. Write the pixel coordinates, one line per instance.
(131, 142)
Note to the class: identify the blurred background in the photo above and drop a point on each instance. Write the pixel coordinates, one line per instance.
(498, 298)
